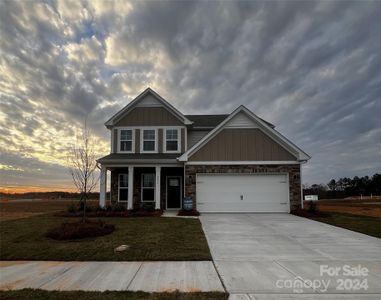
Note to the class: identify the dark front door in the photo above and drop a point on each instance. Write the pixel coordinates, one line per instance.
(173, 192)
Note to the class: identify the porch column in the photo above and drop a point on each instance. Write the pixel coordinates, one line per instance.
(130, 201)
(157, 188)
(102, 186)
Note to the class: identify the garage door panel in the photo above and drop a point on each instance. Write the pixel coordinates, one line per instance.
(242, 193)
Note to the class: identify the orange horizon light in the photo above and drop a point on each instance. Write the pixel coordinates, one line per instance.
(34, 189)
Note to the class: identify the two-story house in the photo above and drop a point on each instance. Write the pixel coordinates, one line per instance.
(227, 163)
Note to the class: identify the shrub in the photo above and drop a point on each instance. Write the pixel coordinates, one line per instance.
(78, 208)
(192, 212)
(79, 230)
(146, 213)
(72, 208)
(116, 207)
(312, 207)
(148, 206)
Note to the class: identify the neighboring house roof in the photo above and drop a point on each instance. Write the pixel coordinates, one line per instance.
(118, 157)
(115, 118)
(266, 128)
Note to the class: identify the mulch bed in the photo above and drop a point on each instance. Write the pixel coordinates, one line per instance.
(79, 230)
(307, 214)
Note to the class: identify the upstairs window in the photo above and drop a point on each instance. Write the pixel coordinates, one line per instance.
(126, 140)
(172, 140)
(149, 140)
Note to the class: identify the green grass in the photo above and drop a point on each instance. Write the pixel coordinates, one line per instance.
(79, 295)
(367, 225)
(149, 238)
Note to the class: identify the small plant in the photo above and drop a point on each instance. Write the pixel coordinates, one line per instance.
(193, 212)
(312, 208)
(148, 206)
(117, 207)
(72, 208)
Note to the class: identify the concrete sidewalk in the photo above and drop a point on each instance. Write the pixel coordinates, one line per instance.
(185, 276)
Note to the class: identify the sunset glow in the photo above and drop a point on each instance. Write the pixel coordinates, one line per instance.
(315, 75)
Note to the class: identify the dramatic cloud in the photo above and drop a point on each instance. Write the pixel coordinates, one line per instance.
(311, 68)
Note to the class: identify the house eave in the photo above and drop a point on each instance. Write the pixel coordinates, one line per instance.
(137, 162)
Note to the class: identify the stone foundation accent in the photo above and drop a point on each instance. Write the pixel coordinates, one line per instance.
(292, 170)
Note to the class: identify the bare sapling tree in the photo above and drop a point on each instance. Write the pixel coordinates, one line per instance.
(83, 166)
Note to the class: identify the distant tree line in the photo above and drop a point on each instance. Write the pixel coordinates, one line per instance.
(346, 187)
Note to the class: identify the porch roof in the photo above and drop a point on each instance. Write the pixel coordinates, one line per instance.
(139, 158)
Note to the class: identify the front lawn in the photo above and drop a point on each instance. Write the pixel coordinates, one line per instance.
(60, 295)
(149, 238)
(367, 225)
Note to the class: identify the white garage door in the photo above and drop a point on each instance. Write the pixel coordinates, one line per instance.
(242, 193)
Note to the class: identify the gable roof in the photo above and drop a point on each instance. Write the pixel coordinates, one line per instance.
(263, 125)
(206, 121)
(125, 110)
(211, 121)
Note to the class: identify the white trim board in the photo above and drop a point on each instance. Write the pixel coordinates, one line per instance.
(271, 132)
(142, 165)
(237, 162)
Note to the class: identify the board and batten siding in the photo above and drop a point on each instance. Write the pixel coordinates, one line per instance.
(149, 116)
(248, 144)
(160, 141)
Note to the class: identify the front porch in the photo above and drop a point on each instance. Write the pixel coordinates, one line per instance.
(153, 187)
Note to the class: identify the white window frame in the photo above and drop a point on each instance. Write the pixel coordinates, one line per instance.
(142, 140)
(119, 187)
(132, 141)
(178, 140)
(142, 187)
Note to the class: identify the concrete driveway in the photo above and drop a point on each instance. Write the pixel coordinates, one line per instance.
(274, 256)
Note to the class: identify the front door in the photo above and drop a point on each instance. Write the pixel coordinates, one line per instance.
(173, 192)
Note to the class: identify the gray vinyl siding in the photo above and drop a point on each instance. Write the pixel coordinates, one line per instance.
(249, 144)
(182, 140)
(115, 141)
(195, 135)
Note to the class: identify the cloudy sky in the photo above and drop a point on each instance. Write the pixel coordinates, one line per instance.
(311, 68)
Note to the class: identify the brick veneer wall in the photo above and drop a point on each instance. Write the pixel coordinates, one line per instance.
(292, 170)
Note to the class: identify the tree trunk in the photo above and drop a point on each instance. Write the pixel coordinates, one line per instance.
(84, 196)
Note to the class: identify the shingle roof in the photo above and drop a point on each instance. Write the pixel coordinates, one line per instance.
(206, 120)
(212, 120)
